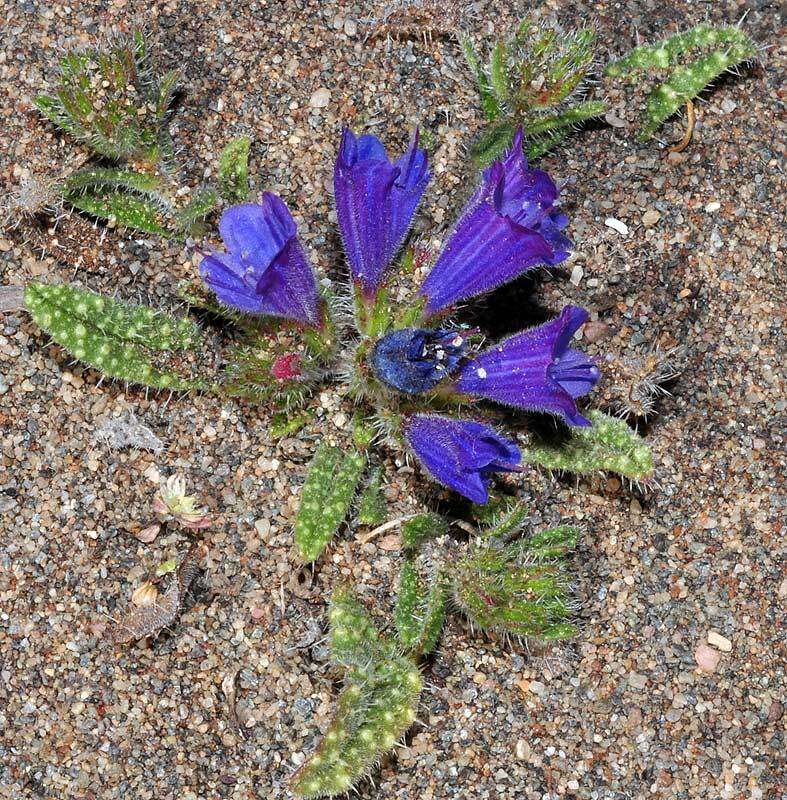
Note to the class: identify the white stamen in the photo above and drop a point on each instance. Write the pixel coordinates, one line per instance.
(481, 372)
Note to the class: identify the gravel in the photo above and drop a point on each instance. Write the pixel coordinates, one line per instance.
(624, 711)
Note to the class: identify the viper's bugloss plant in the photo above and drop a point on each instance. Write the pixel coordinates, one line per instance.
(423, 383)
(683, 66)
(110, 99)
(539, 79)
(535, 80)
(410, 361)
(501, 582)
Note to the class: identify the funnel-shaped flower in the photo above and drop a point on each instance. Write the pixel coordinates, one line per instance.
(461, 454)
(375, 202)
(414, 360)
(265, 270)
(535, 369)
(509, 225)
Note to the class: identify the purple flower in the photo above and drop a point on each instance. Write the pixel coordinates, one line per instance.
(461, 454)
(375, 203)
(265, 270)
(508, 226)
(535, 369)
(414, 360)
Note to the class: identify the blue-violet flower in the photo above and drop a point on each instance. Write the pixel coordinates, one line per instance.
(265, 270)
(461, 454)
(414, 360)
(375, 202)
(509, 225)
(535, 369)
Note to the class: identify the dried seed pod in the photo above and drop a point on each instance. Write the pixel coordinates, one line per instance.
(421, 19)
(151, 618)
(633, 383)
(148, 620)
(145, 595)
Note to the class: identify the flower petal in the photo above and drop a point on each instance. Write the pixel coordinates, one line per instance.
(413, 176)
(461, 454)
(288, 288)
(375, 202)
(224, 275)
(534, 369)
(257, 231)
(575, 372)
(486, 250)
(362, 196)
(367, 147)
(509, 225)
(265, 270)
(521, 193)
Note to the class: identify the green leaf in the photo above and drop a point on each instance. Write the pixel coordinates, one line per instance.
(420, 610)
(520, 588)
(166, 566)
(165, 92)
(497, 72)
(376, 707)
(107, 98)
(325, 500)
(119, 339)
(666, 53)
(371, 505)
(94, 178)
(353, 636)
(234, 170)
(489, 102)
(553, 543)
(363, 431)
(374, 316)
(122, 208)
(714, 51)
(567, 118)
(684, 84)
(504, 520)
(607, 445)
(493, 143)
(284, 424)
(197, 209)
(422, 528)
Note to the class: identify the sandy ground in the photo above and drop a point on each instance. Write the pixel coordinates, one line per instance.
(621, 712)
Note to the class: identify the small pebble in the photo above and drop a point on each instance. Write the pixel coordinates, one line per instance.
(719, 642)
(320, 98)
(617, 225)
(707, 658)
